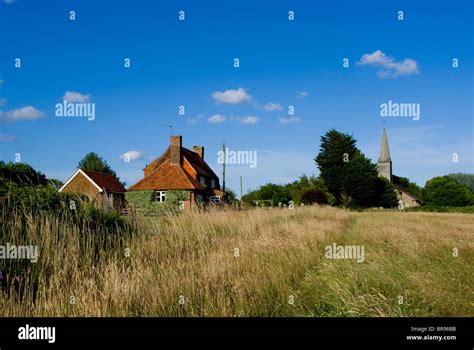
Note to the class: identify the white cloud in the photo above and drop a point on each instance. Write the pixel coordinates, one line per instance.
(71, 96)
(391, 67)
(2, 81)
(270, 107)
(7, 138)
(232, 97)
(289, 120)
(24, 113)
(301, 94)
(217, 118)
(8, 2)
(196, 120)
(250, 120)
(131, 156)
(3, 101)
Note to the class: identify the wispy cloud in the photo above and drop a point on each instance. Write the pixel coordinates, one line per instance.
(2, 81)
(8, 2)
(271, 106)
(194, 121)
(391, 67)
(24, 113)
(7, 138)
(232, 97)
(301, 94)
(250, 120)
(217, 118)
(130, 156)
(72, 96)
(3, 102)
(289, 120)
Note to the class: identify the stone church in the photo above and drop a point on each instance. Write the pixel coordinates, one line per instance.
(384, 167)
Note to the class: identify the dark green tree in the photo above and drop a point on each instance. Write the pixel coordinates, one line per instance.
(385, 194)
(21, 174)
(335, 151)
(93, 162)
(446, 191)
(465, 179)
(314, 196)
(359, 180)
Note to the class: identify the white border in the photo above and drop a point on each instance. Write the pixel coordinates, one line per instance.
(87, 177)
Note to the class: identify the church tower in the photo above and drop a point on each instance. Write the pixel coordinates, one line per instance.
(384, 164)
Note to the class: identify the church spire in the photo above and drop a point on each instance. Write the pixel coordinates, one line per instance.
(384, 164)
(384, 155)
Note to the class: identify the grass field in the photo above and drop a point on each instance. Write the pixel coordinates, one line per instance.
(258, 262)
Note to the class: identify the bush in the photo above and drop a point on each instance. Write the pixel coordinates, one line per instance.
(446, 191)
(144, 201)
(385, 193)
(314, 196)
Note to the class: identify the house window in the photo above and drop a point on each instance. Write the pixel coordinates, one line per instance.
(215, 199)
(160, 196)
(199, 198)
(202, 180)
(213, 183)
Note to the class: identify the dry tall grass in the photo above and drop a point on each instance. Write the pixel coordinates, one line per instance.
(260, 262)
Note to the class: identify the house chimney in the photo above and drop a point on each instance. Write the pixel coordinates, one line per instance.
(175, 143)
(199, 150)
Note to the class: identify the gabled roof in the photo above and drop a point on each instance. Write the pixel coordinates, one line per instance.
(106, 181)
(198, 163)
(167, 176)
(102, 181)
(162, 175)
(401, 189)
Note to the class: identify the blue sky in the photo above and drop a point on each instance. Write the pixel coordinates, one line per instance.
(287, 63)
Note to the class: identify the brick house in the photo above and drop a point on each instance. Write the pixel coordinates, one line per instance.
(104, 188)
(181, 169)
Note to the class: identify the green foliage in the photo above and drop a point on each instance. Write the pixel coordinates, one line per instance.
(385, 193)
(93, 162)
(359, 181)
(314, 196)
(269, 192)
(284, 193)
(231, 195)
(407, 185)
(464, 179)
(446, 191)
(335, 148)
(19, 174)
(145, 202)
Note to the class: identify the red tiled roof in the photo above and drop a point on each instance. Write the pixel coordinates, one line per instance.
(106, 181)
(162, 175)
(198, 163)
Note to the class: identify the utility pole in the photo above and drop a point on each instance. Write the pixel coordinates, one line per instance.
(241, 191)
(223, 168)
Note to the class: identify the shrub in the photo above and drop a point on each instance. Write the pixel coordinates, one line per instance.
(314, 196)
(446, 191)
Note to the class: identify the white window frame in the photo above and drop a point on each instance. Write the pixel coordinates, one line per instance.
(215, 199)
(160, 196)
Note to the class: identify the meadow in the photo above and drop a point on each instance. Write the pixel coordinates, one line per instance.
(255, 262)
